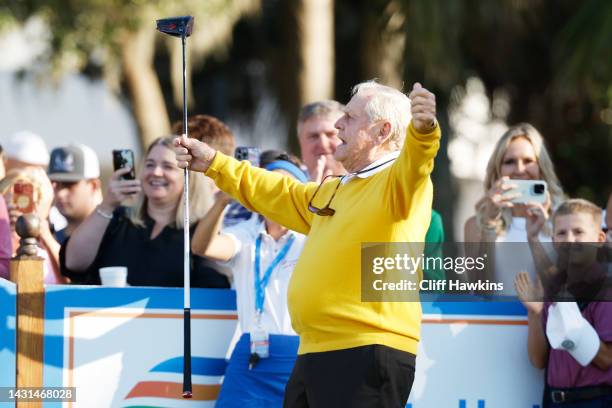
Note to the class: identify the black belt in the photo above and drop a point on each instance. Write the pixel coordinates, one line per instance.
(579, 394)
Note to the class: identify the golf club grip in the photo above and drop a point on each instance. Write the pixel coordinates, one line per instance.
(187, 389)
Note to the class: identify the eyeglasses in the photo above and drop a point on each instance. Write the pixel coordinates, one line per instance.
(326, 211)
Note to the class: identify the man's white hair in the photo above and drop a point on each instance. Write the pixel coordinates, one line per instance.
(389, 104)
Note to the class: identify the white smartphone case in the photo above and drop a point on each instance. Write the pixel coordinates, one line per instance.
(530, 191)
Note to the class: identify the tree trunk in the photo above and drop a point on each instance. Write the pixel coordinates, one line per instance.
(445, 187)
(146, 94)
(315, 33)
(384, 43)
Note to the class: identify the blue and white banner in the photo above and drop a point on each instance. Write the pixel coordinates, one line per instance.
(474, 355)
(123, 348)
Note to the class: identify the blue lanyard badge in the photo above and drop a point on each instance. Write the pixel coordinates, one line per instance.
(261, 283)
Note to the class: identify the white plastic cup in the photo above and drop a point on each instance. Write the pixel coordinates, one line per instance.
(115, 276)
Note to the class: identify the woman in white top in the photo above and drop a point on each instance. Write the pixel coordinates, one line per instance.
(520, 154)
(260, 256)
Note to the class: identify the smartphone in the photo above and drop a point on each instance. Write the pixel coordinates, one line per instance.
(248, 153)
(23, 197)
(124, 158)
(530, 191)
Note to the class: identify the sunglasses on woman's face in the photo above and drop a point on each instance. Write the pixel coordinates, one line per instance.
(326, 211)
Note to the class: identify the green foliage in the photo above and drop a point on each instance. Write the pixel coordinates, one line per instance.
(553, 57)
(80, 28)
(91, 31)
(584, 50)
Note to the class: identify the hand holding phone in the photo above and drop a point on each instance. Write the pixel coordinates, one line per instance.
(527, 191)
(248, 153)
(23, 197)
(124, 158)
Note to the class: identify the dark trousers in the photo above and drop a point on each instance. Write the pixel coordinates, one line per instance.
(369, 376)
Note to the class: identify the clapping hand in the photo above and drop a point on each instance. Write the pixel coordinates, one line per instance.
(322, 170)
(530, 296)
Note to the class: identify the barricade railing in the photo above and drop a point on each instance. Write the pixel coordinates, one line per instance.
(26, 271)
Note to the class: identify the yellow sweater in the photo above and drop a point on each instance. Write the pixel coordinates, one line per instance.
(393, 205)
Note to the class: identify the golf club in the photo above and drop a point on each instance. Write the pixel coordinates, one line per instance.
(182, 27)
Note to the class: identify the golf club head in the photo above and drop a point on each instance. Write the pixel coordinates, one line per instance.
(176, 26)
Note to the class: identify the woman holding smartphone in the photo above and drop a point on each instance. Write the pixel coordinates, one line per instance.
(147, 237)
(520, 154)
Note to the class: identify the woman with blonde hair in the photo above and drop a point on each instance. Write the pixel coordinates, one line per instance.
(146, 238)
(520, 154)
(42, 197)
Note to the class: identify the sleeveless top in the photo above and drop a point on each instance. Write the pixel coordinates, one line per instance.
(514, 255)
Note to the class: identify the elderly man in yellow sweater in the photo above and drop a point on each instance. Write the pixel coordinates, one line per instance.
(352, 353)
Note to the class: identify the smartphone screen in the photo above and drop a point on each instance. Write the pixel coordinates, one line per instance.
(23, 197)
(124, 158)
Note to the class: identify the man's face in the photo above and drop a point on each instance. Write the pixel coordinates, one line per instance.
(318, 137)
(75, 200)
(356, 135)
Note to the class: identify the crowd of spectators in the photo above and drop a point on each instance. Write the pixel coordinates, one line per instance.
(137, 223)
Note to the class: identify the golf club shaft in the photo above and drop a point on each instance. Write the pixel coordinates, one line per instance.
(186, 189)
(186, 249)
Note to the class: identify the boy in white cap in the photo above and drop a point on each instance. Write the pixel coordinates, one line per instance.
(572, 340)
(75, 173)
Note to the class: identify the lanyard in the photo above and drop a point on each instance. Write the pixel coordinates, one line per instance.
(371, 168)
(261, 283)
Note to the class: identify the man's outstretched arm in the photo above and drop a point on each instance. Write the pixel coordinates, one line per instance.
(273, 195)
(410, 172)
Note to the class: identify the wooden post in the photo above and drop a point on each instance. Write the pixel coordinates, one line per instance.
(27, 274)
